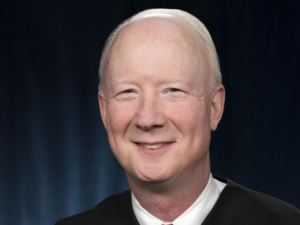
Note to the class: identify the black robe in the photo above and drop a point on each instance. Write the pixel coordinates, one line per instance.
(236, 205)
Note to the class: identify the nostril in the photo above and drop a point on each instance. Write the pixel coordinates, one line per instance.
(151, 125)
(145, 128)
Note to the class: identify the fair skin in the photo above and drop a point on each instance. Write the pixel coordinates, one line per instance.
(159, 111)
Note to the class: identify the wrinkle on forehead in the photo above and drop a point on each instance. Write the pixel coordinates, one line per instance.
(120, 81)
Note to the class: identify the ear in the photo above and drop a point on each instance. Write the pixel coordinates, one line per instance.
(217, 106)
(102, 106)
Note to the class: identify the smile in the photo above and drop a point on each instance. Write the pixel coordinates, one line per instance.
(154, 146)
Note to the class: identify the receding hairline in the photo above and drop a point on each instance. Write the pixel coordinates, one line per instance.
(180, 16)
(154, 29)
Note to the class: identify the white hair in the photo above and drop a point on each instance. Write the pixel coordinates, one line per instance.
(191, 20)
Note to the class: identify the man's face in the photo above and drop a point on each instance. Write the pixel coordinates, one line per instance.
(156, 106)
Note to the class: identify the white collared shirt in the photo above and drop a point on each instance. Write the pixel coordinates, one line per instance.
(194, 215)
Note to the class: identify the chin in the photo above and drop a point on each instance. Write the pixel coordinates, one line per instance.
(151, 173)
(154, 176)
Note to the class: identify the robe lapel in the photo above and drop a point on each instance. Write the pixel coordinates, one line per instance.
(236, 207)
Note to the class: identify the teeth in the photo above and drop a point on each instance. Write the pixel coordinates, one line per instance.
(153, 146)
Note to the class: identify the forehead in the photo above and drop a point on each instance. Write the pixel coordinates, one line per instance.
(170, 40)
(156, 28)
(155, 31)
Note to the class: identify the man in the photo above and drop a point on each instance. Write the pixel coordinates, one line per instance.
(160, 96)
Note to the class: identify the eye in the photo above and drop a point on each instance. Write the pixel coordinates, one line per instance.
(127, 91)
(174, 90)
(174, 94)
(126, 95)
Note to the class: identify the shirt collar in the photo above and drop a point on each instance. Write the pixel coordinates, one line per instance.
(194, 215)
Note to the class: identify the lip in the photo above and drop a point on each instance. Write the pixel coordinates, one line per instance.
(162, 148)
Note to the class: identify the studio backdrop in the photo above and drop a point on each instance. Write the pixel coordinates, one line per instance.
(55, 160)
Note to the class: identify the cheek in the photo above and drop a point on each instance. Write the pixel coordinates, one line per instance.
(119, 117)
(189, 116)
(118, 121)
(192, 122)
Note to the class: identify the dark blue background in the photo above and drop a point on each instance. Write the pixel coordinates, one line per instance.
(54, 156)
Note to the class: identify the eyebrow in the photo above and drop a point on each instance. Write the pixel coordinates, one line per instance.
(178, 80)
(119, 80)
(126, 81)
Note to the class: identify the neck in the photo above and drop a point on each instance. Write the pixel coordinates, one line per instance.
(168, 200)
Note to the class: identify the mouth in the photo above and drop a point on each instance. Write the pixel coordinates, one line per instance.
(153, 146)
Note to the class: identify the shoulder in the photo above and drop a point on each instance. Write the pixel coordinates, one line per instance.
(112, 210)
(251, 203)
(280, 209)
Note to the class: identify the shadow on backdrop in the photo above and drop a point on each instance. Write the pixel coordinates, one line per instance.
(54, 156)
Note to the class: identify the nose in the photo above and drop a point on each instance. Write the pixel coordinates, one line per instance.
(150, 114)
